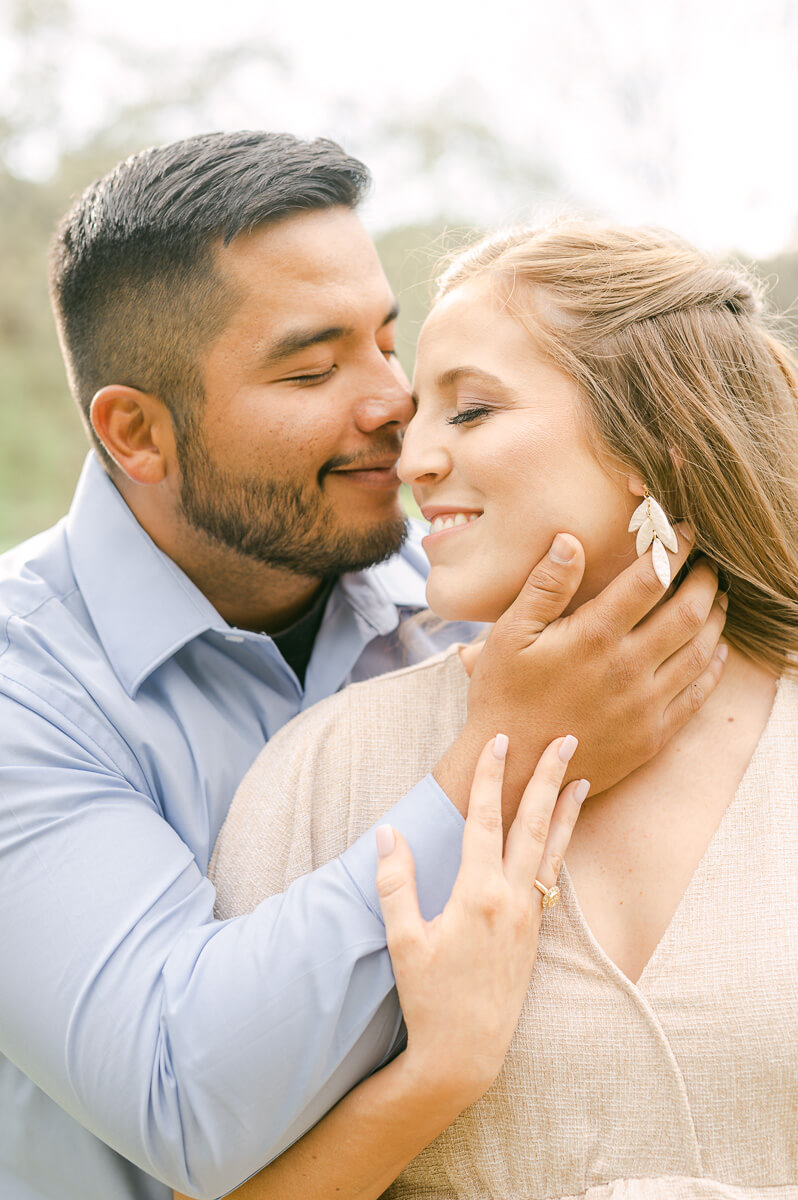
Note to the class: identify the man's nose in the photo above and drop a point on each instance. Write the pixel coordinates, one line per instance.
(388, 400)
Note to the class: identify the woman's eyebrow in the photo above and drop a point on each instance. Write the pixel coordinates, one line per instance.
(455, 374)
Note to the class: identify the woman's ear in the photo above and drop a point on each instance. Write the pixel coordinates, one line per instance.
(136, 430)
(635, 484)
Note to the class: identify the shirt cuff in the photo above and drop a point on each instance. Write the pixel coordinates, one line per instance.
(433, 828)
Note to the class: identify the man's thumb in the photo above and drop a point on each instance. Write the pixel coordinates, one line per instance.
(551, 585)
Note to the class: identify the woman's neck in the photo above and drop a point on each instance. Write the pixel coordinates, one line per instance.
(637, 845)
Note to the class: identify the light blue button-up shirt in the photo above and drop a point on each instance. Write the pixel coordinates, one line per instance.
(136, 1029)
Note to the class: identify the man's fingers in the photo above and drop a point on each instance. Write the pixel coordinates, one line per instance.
(693, 659)
(483, 837)
(529, 832)
(550, 587)
(688, 702)
(632, 594)
(396, 888)
(681, 617)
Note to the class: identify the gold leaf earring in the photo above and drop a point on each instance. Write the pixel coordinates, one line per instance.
(655, 530)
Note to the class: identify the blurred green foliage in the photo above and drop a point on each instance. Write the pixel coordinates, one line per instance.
(42, 441)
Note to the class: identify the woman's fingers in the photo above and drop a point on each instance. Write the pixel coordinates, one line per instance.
(563, 820)
(483, 837)
(396, 888)
(529, 832)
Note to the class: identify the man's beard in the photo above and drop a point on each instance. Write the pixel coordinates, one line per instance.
(280, 524)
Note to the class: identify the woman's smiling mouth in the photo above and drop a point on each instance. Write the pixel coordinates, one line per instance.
(443, 522)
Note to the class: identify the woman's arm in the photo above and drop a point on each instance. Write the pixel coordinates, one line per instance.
(462, 979)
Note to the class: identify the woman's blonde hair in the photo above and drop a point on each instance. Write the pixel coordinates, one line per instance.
(683, 381)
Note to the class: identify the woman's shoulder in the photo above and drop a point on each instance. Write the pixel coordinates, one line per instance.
(787, 711)
(375, 712)
(331, 772)
(778, 749)
(436, 687)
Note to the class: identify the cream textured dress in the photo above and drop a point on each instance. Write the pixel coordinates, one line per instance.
(684, 1085)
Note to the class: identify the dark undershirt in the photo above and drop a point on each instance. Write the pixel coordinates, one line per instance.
(296, 642)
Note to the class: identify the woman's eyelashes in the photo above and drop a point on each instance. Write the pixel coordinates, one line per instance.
(469, 414)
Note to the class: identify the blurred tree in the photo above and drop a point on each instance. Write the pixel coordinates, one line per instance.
(446, 144)
(413, 256)
(42, 441)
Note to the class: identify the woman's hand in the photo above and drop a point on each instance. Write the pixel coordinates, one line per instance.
(462, 980)
(462, 977)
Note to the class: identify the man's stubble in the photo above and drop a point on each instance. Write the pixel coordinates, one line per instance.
(280, 524)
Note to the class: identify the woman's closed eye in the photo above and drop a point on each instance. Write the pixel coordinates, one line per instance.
(469, 414)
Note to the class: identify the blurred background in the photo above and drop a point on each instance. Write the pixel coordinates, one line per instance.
(471, 115)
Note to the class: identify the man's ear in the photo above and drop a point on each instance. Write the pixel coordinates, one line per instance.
(136, 430)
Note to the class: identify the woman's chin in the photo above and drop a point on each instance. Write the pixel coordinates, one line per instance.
(450, 606)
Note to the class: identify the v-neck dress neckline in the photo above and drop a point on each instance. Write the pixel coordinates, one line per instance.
(745, 797)
(683, 1086)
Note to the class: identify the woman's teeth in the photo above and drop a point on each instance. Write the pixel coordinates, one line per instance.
(452, 519)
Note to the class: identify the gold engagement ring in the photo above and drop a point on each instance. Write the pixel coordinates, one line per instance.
(551, 896)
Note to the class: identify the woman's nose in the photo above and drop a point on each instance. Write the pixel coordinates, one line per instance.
(423, 458)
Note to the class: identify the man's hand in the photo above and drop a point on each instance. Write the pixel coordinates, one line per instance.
(620, 677)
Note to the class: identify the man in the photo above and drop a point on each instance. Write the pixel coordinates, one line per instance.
(229, 335)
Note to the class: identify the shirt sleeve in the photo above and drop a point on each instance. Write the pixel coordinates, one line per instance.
(197, 1048)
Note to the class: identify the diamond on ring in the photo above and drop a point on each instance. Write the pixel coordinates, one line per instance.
(551, 896)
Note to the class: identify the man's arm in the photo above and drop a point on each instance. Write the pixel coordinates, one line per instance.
(198, 1049)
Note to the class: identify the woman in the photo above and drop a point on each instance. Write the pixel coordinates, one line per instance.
(590, 379)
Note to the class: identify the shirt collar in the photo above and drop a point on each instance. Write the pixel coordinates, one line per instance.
(400, 583)
(145, 608)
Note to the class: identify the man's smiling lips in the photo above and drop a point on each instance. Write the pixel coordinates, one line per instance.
(372, 475)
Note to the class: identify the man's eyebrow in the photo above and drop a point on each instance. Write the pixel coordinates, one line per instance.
(302, 339)
(393, 313)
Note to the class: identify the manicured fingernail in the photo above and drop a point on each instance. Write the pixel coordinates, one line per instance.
(386, 842)
(723, 601)
(581, 790)
(722, 651)
(562, 551)
(567, 748)
(685, 531)
(500, 744)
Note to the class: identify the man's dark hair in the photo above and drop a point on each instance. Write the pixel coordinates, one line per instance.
(133, 279)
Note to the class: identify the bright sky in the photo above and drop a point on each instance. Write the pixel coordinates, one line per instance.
(677, 112)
